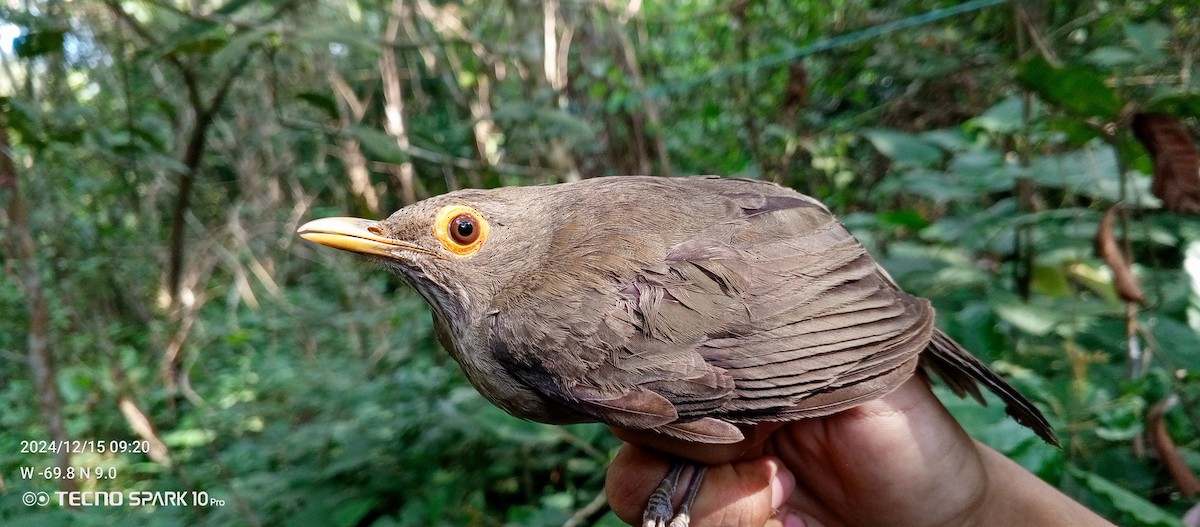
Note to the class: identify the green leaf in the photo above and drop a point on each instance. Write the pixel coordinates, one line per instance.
(38, 43)
(239, 45)
(904, 218)
(934, 185)
(1050, 280)
(1077, 132)
(983, 170)
(903, 148)
(1183, 104)
(202, 37)
(1077, 89)
(1144, 512)
(193, 437)
(25, 118)
(201, 40)
(352, 511)
(949, 139)
(232, 7)
(359, 43)
(1089, 171)
(379, 145)
(1147, 40)
(1028, 318)
(321, 101)
(1121, 419)
(1109, 56)
(1176, 341)
(1006, 117)
(514, 111)
(562, 124)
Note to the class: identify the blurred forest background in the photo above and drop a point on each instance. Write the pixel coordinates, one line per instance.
(161, 155)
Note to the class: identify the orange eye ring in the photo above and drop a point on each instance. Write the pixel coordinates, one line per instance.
(460, 229)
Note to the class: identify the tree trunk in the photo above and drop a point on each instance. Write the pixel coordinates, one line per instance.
(22, 248)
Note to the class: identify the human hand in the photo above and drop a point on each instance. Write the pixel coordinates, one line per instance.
(901, 460)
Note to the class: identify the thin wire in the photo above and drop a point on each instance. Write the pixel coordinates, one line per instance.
(793, 53)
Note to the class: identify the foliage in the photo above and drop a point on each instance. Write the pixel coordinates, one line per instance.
(167, 151)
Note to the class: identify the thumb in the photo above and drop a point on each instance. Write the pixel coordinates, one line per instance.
(733, 494)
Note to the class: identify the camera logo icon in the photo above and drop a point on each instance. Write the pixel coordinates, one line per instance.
(35, 498)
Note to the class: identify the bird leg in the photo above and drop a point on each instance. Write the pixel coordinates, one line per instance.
(684, 516)
(659, 508)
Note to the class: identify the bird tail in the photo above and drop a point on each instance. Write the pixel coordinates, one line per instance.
(964, 373)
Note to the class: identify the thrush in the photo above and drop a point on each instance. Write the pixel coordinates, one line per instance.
(689, 307)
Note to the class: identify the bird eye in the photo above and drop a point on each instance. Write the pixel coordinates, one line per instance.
(460, 229)
(463, 229)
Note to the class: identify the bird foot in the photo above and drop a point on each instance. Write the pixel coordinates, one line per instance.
(659, 519)
(659, 515)
(659, 509)
(682, 519)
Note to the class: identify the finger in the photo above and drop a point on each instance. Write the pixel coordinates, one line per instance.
(632, 476)
(710, 454)
(902, 445)
(745, 493)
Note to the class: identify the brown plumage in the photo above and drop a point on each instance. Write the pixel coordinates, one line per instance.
(686, 306)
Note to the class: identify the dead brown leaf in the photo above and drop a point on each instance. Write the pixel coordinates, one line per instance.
(1108, 250)
(1168, 453)
(1176, 161)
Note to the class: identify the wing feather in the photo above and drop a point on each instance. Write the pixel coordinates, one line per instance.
(766, 308)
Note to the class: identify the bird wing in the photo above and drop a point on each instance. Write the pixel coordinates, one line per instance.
(809, 325)
(772, 311)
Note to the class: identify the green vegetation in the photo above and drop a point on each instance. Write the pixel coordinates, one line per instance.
(163, 154)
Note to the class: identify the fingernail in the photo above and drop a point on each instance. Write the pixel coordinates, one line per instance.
(782, 485)
(792, 520)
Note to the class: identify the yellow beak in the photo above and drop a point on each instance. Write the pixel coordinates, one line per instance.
(357, 235)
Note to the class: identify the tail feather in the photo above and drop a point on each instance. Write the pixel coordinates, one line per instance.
(964, 373)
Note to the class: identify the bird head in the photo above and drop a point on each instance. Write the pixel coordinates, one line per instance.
(456, 249)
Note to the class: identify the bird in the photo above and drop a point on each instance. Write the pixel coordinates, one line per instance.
(689, 307)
